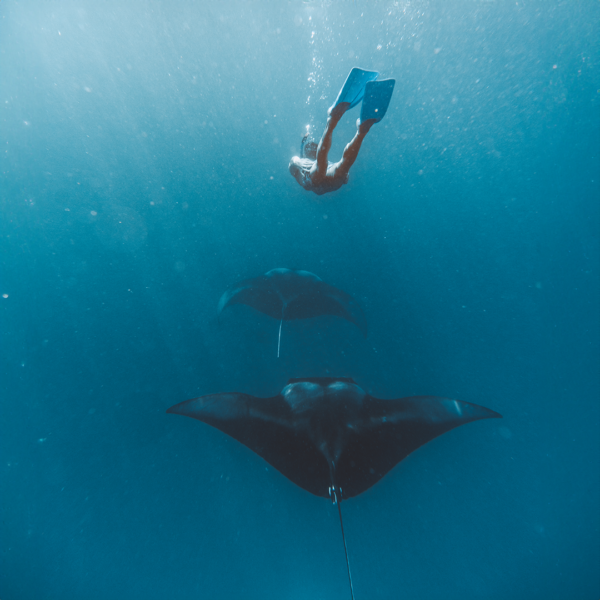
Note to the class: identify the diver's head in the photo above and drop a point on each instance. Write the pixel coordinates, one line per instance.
(300, 170)
(309, 150)
(294, 167)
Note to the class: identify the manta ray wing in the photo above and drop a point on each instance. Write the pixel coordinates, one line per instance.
(391, 429)
(265, 426)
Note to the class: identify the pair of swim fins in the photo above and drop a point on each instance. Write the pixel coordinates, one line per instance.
(360, 85)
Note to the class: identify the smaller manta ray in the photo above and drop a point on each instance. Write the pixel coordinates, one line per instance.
(287, 294)
(327, 435)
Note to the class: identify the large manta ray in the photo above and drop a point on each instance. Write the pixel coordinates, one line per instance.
(287, 294)
(327, 435)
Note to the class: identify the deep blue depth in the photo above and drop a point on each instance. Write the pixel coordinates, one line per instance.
(144, 152)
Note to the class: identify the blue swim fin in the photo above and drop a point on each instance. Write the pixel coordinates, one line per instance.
(377, 99)
(353, 89)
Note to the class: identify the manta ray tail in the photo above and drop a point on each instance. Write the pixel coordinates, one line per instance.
(280, 324)
(339, 505)
(336, 497)
(279, 339)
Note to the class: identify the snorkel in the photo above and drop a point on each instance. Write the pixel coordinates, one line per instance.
(308, 149)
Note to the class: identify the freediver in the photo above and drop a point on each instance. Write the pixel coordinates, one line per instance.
(311, 169)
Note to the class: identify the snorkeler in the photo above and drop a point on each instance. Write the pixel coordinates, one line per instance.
(311, 169)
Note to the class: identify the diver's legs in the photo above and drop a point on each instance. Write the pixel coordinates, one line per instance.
(334, 115)
(351, 150)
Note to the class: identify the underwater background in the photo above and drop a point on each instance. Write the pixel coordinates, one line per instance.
(144, 171)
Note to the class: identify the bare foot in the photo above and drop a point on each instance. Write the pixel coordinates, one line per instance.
(365, 126)
(335, 113)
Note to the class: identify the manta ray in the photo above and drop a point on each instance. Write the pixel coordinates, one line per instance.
(288, 294)
(328, 435)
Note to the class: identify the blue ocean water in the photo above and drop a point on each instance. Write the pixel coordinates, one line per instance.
(144, 170)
